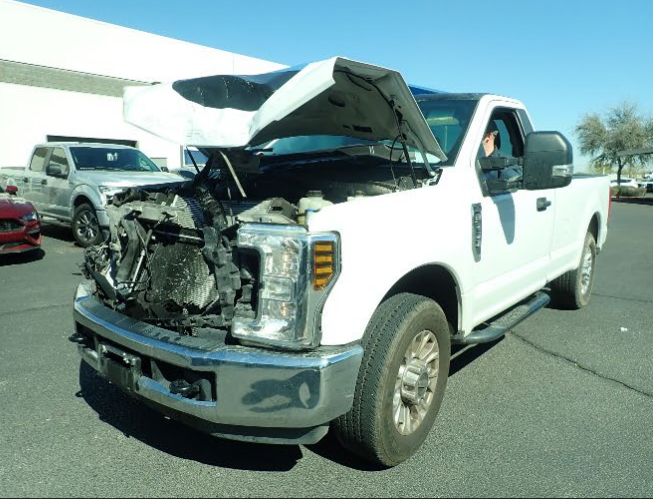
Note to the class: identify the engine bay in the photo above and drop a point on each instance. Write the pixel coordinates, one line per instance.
(172, 260)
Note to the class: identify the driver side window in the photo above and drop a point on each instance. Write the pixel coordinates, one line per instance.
(503, 146)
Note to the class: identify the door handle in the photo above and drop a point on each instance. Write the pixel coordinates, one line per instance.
(25, 180)
(543, 204)
(44, 182)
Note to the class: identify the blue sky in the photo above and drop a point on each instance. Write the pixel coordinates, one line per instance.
(562, 58)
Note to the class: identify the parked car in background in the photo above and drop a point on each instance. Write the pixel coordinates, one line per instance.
(73, 182)
(625, 182)
(20, 228)
(647, 184)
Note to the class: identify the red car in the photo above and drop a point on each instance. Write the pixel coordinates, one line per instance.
(20, 228)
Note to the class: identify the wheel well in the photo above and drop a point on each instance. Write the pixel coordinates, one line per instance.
(594, 227)
(80, 200)
(435, 282)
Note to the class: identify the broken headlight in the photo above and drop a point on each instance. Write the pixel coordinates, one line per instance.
(292, 289)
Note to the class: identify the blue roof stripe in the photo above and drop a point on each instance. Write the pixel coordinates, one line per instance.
(418, 90)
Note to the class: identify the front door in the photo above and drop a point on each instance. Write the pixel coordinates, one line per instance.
(33, 182)
(57, 188)
(517, 227)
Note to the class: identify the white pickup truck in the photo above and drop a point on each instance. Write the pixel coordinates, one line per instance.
(355, 232)
(72, 182)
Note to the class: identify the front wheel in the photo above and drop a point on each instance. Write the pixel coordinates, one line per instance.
(572, 290)
(86, 227)
(401, 382)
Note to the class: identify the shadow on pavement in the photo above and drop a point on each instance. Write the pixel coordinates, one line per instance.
(463, 356)
(136, 420)
(21, 258)
(57, 232)
(329, 448)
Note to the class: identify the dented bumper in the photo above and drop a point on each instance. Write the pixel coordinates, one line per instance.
(241, 393)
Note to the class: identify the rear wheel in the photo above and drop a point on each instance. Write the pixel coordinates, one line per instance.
(573, 289)
(401, 382)
(86, 227)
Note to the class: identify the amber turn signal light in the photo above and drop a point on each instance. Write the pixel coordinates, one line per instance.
(323, 264)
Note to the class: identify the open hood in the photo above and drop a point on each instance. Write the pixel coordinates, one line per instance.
(333, 97)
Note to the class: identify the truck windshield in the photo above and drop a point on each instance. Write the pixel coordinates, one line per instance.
(101, 158)
(447, 119)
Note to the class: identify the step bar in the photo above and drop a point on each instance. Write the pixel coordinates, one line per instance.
(504, 323)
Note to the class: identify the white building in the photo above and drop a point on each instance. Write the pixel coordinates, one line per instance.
(62, 77)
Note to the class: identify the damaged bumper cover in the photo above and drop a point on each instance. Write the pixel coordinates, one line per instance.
(230, 391)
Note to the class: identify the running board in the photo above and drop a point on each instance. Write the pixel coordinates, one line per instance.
(495, 330)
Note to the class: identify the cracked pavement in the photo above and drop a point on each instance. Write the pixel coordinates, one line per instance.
(561, 407)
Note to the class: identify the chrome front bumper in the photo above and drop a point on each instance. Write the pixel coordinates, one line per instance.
(248, 393)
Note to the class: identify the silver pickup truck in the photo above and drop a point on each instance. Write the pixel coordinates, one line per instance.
(72, 182)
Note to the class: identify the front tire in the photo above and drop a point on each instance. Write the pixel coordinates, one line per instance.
(401, 382)
(573, 289)
(86, 227)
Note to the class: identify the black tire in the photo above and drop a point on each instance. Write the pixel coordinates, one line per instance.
(369, 429)
(572, 290)
(86, 228)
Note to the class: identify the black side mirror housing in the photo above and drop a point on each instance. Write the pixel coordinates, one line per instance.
(548, 161)
(55, 171)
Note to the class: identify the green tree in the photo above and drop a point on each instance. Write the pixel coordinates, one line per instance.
(621, 128)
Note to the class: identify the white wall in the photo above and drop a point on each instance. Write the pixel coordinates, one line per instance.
(50, 38)
(29, 114)
(37, 36)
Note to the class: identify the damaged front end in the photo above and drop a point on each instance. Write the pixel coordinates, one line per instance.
(177, 260)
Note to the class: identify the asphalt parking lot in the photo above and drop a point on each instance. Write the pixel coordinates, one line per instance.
(563, 406)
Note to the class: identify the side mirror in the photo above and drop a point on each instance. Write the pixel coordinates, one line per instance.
(548, 161)
(11, 189)
(164, 169)
(55, 171)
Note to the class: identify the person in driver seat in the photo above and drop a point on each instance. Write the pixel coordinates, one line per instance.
(492, 141)
(490, 147)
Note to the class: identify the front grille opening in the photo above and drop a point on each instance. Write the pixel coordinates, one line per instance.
(10, 225)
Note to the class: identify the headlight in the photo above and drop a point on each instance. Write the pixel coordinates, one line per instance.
(298, 270)
(31, 217)
(109, 192)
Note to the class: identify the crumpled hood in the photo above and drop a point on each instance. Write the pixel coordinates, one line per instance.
(333, 97)
(127, 179)
(13, 207)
